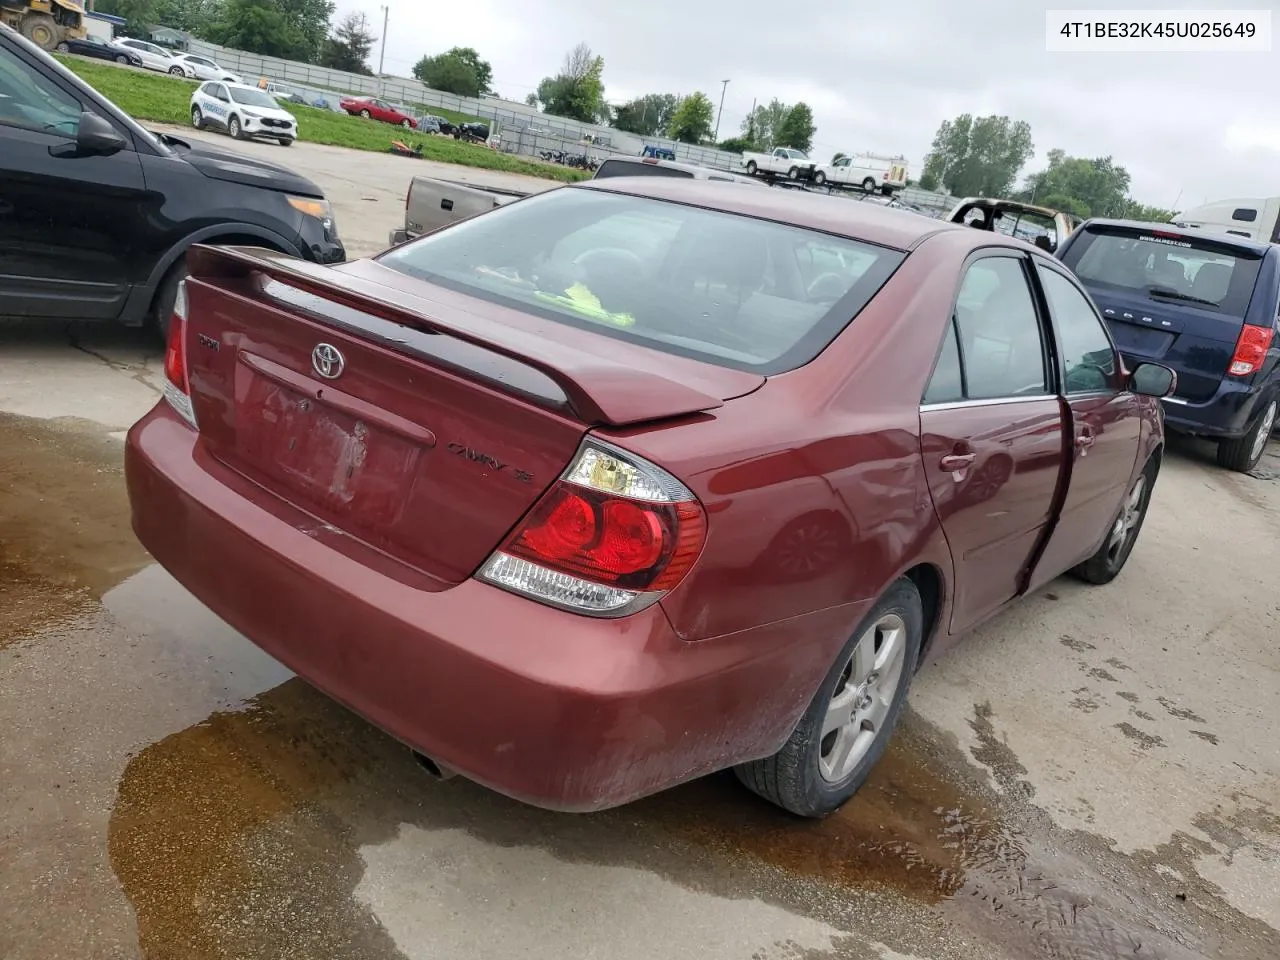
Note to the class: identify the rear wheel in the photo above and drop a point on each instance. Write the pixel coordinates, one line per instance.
(1105, 565)
(868, 185)
(64, 47)
(1243, 454)
(842, 735)
(366, 114)
(751, 168)
(406, 124)
(793, 173)
(41, 29)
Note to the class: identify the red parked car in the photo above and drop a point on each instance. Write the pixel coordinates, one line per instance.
(372, 107)
(643, 478)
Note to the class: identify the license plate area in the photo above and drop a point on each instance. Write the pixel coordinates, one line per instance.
(353, 470)
(1146, 341)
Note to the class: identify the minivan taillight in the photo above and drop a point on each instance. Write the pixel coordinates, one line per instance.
(177, 382)
(1251, 350)
(611, 537)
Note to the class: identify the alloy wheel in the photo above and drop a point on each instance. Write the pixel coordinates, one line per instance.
(1126, 526)
(861, 702)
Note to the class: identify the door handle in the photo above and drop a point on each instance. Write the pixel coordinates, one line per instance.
(956, 461)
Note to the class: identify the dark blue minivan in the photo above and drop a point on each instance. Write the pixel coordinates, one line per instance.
(1205, 305)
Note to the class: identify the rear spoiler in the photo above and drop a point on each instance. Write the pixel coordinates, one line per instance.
(599, 390)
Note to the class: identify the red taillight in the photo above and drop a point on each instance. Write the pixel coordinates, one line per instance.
(609, 538)
(1251, 350)
(177, 379)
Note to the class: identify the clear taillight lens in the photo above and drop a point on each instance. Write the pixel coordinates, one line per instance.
(609, 538)
(177, 382)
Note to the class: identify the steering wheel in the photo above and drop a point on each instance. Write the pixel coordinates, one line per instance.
(839, 284)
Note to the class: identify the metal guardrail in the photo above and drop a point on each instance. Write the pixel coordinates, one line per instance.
(523, 130)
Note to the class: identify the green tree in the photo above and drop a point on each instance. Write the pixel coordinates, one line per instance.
(531, 99)
(797, 129)
(645, 116)
(140, 15)
(736, 145)
(577, 91)
(978, 156)
(458, 71)
(193, 16)
(692, 120)
(929, 180)
(761, 126)
(1140, 211)
(291, 29)
(838, 156)
(349, 47)
(1095, 187)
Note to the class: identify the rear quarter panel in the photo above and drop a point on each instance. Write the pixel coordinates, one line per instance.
(823, 462)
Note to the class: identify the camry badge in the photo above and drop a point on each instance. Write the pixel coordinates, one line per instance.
(327, 361)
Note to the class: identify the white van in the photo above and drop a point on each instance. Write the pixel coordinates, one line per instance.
(869, 171)
(1257, 219)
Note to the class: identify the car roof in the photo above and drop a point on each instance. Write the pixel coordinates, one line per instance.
(238, 86)
(1247, 244)
(898, 229)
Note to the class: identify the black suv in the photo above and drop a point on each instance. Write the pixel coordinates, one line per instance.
(96, 213)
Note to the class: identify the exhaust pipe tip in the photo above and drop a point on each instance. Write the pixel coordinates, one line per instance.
(436, 771)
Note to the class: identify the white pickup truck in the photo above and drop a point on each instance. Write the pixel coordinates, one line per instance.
(783, 161)
(869, 171)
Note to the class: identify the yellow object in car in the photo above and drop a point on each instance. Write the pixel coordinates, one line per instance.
(582, 301)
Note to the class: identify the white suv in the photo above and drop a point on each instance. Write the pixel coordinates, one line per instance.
(200, 68)
(152, 56)
(244, 112)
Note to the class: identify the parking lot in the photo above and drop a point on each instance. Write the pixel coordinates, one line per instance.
(1093, 775)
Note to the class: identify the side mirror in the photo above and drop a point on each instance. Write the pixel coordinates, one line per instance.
(95, 137)
(1153, 380)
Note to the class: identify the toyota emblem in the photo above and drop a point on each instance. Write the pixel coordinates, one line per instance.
(327, 361)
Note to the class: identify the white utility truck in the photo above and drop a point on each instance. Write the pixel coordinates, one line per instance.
(869, 171)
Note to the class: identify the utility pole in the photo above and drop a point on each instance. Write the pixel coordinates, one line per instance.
(386, 19)
(721, 110)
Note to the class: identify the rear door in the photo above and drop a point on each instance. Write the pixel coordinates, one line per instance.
(1105, 425)
(992, 435)
(1169, 298)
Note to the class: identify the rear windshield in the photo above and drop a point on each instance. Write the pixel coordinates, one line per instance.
(1166, 267)
(629, 168)
(717, 287)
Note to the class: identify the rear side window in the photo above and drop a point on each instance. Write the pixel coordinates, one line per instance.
(725, 289)
(1171, 268)
(627, 168)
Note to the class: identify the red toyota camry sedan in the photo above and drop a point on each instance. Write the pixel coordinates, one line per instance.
(640, 479)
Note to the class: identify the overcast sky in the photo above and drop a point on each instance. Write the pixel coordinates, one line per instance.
(1190, 127)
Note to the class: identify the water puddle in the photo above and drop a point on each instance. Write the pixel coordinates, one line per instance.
(65, 537)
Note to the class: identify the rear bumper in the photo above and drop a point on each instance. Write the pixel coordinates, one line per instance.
(1228, 414)
(557, 710)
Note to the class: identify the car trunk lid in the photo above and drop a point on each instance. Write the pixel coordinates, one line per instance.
(411, 423)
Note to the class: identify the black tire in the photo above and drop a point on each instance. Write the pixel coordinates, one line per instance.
(122, 59)
(868, 185)
(41, 29)
(406, 124)
(286, 141)
(1105, 565)
(366, 114)
(793, 777)
(1243, 454)
(177, 72)
(793, 173)
(162, 306)
(197, 118)
(819, 178)
(234, 128)
(887, 191)
(64, 47)
(751, 168)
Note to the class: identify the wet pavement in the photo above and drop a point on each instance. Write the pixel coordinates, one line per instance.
(1093, 775)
